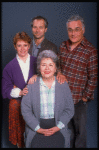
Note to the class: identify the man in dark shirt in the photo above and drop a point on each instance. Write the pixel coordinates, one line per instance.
(39, 26)
(78, 62)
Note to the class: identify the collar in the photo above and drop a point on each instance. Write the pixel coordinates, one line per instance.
(17, 57)
(83, 42)
(39, 46)
(43, 84)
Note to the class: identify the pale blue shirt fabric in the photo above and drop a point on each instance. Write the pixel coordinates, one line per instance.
(47, 98)
(47, 103)
(35, 49)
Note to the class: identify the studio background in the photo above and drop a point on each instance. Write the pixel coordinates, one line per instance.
(16, 17)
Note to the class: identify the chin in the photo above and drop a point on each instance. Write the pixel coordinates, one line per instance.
(37, 37)
(73, 40)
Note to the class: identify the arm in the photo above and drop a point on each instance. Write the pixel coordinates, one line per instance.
(7, 83)
(9, 90)
(92, 76)
(60, 77)
(32, 79)
(68, 110)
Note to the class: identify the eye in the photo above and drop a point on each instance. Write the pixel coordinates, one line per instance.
(18, 45)
(34, 27)
(69, 30)
(77, 29)
(43, 65)
(26, 45)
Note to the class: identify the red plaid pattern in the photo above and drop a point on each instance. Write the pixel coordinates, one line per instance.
(80, 66)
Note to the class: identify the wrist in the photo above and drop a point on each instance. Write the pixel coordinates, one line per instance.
(20, 94)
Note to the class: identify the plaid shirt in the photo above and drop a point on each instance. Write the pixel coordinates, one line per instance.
(80, 66)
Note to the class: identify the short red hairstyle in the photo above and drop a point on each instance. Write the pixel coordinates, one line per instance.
(21, 36)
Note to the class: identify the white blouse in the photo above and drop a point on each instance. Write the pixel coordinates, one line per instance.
(25, 71)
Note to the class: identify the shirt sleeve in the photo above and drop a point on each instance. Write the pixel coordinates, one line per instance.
(60, 125)
(15, 92)
(37, 127)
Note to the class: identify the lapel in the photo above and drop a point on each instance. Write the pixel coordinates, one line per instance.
(57, 99)
(36, 102)
(31, 70)
(31, 47)
(36, 95)
(43, 46)
(18, 72)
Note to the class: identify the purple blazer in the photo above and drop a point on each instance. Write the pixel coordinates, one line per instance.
(12, 75)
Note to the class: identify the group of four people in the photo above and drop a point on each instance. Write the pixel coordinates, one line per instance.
(44, 111)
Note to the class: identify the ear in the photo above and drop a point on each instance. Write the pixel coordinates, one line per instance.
(15, 47)
(45, 30)
(29, 46)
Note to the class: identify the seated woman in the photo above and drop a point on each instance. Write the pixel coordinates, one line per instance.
(14, 80)
(48, 106)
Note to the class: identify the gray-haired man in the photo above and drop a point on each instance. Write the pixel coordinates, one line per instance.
(78, 62)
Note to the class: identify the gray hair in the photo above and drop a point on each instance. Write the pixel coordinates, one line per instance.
(76, 18)
(47, 54)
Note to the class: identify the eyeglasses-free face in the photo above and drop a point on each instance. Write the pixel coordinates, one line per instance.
(39, 29)
(22, 48)
(47, 68)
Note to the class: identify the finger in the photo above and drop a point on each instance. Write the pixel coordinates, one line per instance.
(31, 81)
(48, 134)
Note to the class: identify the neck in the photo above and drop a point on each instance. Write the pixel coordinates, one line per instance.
(38, 41)
(48, 81)
(73, 45)
(24, 58)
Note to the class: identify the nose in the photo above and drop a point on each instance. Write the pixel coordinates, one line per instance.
(22, 47)
(37, 29)
(47, 67)
(73, 32)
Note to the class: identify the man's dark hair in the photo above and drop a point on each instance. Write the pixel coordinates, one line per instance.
(40, 18)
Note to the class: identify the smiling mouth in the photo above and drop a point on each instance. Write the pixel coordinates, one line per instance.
(23, 52)
(46, 72)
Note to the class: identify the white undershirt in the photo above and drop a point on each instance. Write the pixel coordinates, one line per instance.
(25, 71)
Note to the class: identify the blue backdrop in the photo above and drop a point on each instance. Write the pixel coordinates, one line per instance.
(16, 17)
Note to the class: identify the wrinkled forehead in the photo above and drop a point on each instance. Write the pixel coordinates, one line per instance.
(75, 24)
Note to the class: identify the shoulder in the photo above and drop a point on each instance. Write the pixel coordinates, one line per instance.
(64, 43)
(10, 65)
(63, 46)
(32, 58)
(35, 85)
(88, 45)
(49, 44)
(63, 87)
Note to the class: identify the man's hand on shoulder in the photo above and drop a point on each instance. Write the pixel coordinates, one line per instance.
(61, 78)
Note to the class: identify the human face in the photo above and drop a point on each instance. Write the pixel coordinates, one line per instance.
(22, 48)
(75, 31)
(47, 68)
(39, 29)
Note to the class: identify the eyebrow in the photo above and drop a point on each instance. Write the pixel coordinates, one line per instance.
(45, 63)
